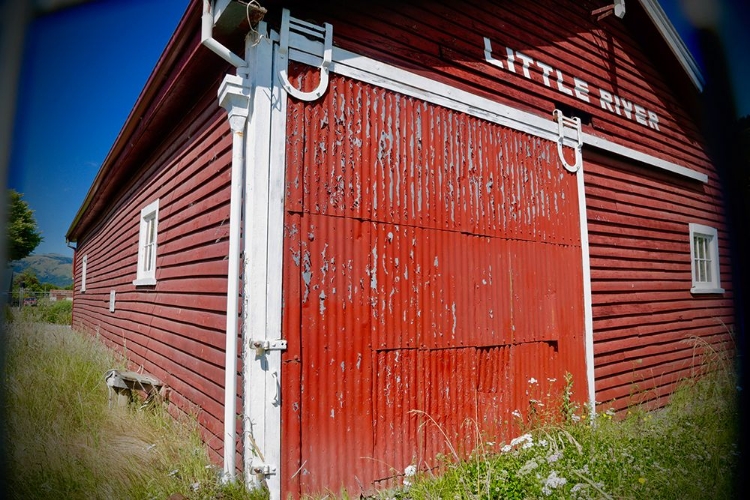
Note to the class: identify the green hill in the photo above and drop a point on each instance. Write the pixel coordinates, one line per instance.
(49, 268)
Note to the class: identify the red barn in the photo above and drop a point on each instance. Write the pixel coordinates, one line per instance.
(401, 225)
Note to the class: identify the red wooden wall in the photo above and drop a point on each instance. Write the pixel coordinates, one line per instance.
(175, 329)
(650, 332)
(432, 270)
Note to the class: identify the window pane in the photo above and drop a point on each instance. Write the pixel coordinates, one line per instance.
(151, 231)
(146, 257)
(695, 269)
(695, 248)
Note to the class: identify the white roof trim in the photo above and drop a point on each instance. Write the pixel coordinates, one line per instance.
(670, 35)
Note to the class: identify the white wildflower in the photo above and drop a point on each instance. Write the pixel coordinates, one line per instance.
(575, 417)
(554, 457)
(527, 445)
(528, 467)
(520, 439)
(543, 443)
(553, 481)
(532, 381)
(409, 472)
(506, 448)
(577, 487)
(552, 380)
(516, 413)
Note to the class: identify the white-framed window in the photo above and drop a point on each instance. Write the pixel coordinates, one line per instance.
(84, 263)
(149, 229)
(704, 258)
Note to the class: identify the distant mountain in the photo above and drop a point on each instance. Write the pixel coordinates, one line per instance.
(49, 268)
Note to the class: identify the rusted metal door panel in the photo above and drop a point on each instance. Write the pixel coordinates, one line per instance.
(432, 285)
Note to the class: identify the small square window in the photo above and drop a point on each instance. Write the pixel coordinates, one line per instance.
(704, 257)
(147, 245)
(84, 263)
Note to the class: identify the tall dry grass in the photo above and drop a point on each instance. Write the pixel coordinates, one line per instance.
(64, 441)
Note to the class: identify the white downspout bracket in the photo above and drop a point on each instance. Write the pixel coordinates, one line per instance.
(574, 123)
(235, 98)
(324, 33)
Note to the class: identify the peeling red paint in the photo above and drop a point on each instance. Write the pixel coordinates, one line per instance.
(433, 261)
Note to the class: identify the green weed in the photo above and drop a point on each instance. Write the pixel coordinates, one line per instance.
(58, 312)
(685, 450)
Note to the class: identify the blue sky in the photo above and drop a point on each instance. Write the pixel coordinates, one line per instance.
(84, 68)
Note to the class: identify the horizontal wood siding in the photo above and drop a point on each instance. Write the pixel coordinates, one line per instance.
(650, 332)
(175, 329)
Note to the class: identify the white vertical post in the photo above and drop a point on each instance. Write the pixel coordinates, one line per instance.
(276, 191)
(588, 316)
(258, 377)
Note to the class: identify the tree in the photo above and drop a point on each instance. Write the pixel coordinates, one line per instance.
(28, 281)
(23, 234)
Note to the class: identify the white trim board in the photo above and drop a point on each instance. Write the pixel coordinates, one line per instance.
(588, 310)
(386, 76)
(675, 43)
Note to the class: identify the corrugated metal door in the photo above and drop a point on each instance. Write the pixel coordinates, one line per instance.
(432, 285)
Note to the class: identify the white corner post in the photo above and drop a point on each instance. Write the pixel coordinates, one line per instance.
(263, 224)
(264, 242)
(234, 96)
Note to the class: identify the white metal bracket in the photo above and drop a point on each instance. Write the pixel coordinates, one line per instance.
(261, 346)
(618, 9)
(324, 33)
(264, 469)
(575, 124)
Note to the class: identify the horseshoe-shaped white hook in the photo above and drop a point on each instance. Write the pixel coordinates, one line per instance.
(325, 33)
(575, 123)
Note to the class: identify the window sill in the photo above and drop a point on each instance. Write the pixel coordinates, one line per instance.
(699, 291)
(145, 282)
